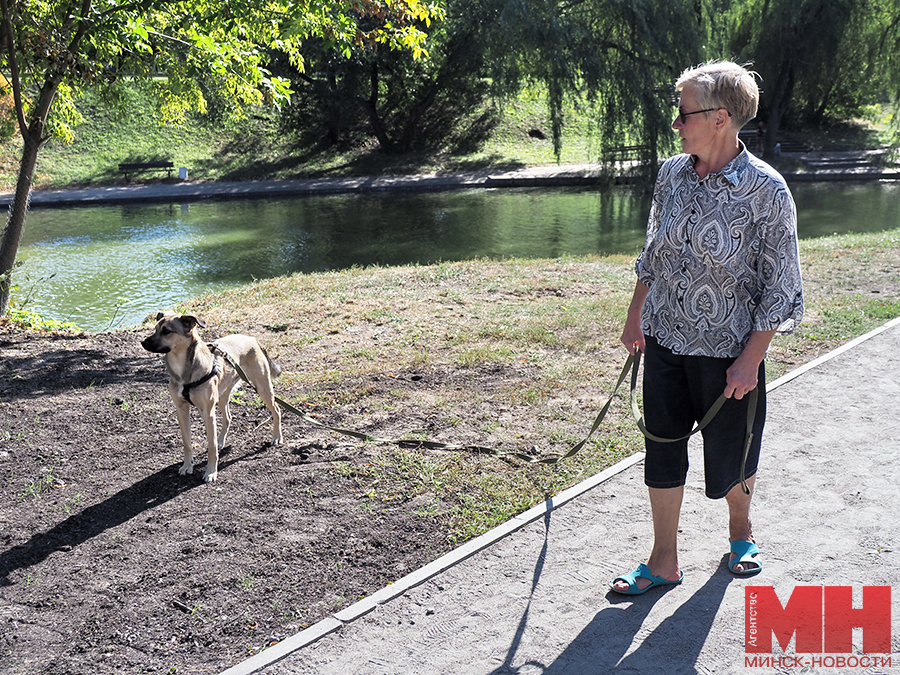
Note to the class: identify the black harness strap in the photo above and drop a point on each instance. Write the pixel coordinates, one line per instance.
(186, 391)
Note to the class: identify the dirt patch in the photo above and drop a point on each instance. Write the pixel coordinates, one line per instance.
(112, 562)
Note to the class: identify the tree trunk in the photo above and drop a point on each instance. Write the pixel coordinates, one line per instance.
(15, 222)
(33, 139)
(784, 89)
(333, 109)
(371, 105)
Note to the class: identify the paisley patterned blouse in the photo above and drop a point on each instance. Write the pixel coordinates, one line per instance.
(721, 258)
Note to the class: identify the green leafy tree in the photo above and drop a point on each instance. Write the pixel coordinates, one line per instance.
(889, 53)
(49, 49)
(620, 57)
(404, 102)
(816, 57)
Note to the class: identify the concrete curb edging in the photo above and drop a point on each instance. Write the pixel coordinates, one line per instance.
(309, 635)
(331, 624)
(798, 371)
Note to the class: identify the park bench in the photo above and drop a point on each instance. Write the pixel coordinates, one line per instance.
(624, 153)
(139, 167)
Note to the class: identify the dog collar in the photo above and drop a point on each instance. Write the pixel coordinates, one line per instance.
(186, 391)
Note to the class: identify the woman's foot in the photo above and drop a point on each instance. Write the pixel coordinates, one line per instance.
(643, 578)
(744, 559)
(740, 529)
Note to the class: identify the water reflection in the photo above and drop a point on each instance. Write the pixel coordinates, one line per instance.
(88, 265)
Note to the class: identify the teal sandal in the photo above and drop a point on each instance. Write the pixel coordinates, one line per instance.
(641, 571)
(745, 552)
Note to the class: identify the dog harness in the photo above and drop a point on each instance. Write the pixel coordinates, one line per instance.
(186, 391)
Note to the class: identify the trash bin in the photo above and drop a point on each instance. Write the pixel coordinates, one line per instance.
(182, 173)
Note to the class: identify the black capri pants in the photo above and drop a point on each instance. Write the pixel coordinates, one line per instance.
(678, 390)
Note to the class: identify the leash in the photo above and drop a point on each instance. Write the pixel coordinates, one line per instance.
(437, 445)
(632, 363)
(702, 424)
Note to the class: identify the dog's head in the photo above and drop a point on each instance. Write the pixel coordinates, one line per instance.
(173, 331)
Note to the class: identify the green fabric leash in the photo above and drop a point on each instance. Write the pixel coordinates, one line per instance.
(530, 459)
(632, 363)
(702, 424)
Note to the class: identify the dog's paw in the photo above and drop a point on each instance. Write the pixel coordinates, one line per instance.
(185, 469)
(278, 440)
(210, 477)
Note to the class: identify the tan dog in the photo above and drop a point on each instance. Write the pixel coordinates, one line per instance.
(201, 378)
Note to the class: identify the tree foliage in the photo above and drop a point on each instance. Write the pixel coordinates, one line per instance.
(405, 102)
(621, 55)
(51, 48)
(816, 58)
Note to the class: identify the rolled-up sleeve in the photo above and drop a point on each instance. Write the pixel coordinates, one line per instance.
(642, 268)
(780, 304)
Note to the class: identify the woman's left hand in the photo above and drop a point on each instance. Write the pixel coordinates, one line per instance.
(741, 377)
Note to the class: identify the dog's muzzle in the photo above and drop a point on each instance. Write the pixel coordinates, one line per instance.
(151, 346)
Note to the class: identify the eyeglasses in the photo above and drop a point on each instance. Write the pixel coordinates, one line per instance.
(682, 115)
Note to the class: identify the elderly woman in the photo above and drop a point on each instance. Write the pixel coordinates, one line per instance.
(718, 277)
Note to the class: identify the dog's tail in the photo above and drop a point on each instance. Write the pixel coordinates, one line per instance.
(274, 366)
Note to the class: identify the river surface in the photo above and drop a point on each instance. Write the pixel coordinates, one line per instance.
(109, 266)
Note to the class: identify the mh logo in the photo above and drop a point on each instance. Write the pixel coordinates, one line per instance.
(821, 617)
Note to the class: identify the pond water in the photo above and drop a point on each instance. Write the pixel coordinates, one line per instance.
(109, 266)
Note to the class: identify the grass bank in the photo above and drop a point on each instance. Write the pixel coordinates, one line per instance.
(515, 355)
(261, 147)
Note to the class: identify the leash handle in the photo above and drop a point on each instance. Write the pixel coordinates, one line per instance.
(702, 424)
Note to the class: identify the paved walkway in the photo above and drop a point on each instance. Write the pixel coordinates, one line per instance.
(861, 165)
(568, 174)
(531, 597)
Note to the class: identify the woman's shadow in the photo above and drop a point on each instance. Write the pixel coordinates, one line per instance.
(674, 646)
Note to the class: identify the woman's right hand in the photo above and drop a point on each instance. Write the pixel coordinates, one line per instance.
(633, 336)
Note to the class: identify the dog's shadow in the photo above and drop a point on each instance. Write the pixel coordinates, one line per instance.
(226, 460)
(146, 494)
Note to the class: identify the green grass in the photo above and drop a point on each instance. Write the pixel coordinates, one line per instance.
(516, 367)
(258, 147)
(557, 352)
(39, 486)
(25, 318)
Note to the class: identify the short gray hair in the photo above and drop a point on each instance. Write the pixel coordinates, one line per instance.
(724, 84)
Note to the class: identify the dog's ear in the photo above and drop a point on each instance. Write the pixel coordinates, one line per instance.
(189, 321)
(160, 315)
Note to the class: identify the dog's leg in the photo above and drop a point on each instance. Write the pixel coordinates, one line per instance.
(209, 420)
(267, 394)
(183, 412)
(224, 400)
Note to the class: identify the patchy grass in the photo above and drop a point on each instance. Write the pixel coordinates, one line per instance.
(515, 355)
(258, 147)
